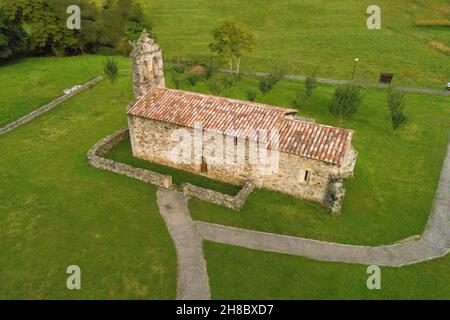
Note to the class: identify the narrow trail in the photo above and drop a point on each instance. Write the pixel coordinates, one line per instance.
(434, 242)
(395, 255)
(363, 84)
(192, 279)
(193, 283)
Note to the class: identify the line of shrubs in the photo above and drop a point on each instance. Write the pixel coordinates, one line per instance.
(344, 103)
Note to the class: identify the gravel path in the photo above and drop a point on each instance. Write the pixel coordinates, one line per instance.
(396, 255)
(192, 279)
(435, 241)
(363, 84)
(193, 283)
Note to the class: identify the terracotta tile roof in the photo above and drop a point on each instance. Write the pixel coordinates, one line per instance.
(242, 119)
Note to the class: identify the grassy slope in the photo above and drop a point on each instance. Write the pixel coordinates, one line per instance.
(55, 210)
(396, 177)
(262, 275)
(320, 35)
(30, 83)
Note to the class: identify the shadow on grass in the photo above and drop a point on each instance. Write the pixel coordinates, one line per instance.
(123, 153)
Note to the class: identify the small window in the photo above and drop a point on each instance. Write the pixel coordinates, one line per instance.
(235, 141)
(307, 176)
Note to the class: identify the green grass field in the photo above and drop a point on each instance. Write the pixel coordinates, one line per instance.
(30, 83)
(306, 35)
(396, 177)
(237, 273)
(56, 211)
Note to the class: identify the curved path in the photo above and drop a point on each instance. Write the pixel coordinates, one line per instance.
(396, 255)
(434, 242)
(193, 283)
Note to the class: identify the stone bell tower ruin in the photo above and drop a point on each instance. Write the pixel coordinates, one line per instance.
(147, 64)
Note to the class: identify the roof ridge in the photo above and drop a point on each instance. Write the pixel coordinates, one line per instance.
(256, 104)
(318, 124)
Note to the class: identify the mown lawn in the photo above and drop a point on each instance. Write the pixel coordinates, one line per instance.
(396, 176)
(31, 83)
(56, 211)
(324, 36)
(238, 273)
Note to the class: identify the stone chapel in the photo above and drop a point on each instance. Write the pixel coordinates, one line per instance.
(313, 158)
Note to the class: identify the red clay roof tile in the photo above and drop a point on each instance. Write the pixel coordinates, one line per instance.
(239, 118)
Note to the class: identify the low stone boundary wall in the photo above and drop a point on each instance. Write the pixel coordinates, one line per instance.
(233, 202)
(100, 149)
(96, 158)
(36, 113)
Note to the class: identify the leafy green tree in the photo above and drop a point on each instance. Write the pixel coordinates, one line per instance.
(227, 83)
(346, 100)
(176, 79)
(113, 26)
(193, 78)
(267, 83)
(232, 41)
(303, 95)
(251, 94)
(13, 39)
(310, 85)
(214, 85)
(122, 22)
(134, 30)
(396, 104)
(5, 50)
(110, 69)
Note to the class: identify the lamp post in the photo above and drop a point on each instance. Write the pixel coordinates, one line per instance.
(354, 68)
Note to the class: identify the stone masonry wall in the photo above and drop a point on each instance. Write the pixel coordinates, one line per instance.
(46, 108)
(233, 202)
(151, 140)
(147, 65)
(96, 159)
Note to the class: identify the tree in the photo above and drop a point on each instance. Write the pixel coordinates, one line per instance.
(176, 79)
(303, 95)
(110, 28)
(346, 100)
(267, 83)
(110, 69)
(251, 95)
(5, 51)
(310, 85)
(122, 22)
(396, 104)
(214, 85)
(232, 40)
(13, 39)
